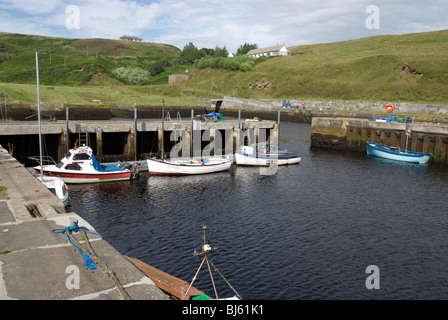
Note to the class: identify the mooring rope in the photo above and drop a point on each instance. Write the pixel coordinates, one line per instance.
(222, 276)
(74, 228)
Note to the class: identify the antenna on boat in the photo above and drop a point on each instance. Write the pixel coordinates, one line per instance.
(162, 151)
(206, 248)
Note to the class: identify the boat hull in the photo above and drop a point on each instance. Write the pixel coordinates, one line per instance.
(279, 159)
(396, 154)
(75, 177)
(187, 167)
(57, 186)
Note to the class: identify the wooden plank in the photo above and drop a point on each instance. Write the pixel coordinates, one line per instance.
(166, 282)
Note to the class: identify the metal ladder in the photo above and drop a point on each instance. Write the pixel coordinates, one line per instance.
(83, 138)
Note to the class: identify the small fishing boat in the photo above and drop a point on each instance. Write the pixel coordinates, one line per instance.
(81, 166)
(184, 166)
(57, 186)
(171, 285)
(396, 153)
(187, 166)
(180, 289)
(265, 154)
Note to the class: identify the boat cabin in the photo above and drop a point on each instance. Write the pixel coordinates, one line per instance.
(247, 149)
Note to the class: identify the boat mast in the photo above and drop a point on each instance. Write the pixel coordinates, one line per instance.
(162, 156)
(38, 118)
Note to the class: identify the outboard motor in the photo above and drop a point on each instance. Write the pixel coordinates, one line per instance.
(131, 167)
(134, 170)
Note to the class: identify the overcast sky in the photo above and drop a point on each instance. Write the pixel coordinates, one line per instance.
(230, 23)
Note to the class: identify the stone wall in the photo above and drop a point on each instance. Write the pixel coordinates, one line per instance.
(270, 105)
(352, 135)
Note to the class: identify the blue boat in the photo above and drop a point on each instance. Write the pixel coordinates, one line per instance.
(396, 153)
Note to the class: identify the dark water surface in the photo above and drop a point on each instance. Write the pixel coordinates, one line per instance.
(308, 232)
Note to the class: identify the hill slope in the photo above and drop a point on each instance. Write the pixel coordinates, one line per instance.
(78, 61)
(411, 68)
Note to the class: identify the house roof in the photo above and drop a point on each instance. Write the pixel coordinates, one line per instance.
(264, 50)
(129, 37)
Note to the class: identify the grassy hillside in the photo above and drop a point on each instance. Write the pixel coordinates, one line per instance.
(412, 68)
(74, 62)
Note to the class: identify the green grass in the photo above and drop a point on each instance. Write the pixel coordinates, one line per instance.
(110, 95)
(368, 69)
(75, 62)
(3, 192)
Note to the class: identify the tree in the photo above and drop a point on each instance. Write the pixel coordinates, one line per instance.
(245, 48)
(221, 52)
(205, 52)
(190, 54)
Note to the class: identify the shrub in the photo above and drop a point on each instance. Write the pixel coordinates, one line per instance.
(135, 76)
(233, 64)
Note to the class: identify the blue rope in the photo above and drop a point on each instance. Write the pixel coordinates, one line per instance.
(89, 262)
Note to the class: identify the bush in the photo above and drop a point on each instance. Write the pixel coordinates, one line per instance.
(5, 57)
(233, 64)
(135, 76)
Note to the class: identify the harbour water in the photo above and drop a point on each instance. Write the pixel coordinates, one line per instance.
(308, 232)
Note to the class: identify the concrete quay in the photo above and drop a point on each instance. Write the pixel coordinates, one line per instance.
(39, 264)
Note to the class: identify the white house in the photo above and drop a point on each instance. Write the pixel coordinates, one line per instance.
(128, 38)
(270, 51)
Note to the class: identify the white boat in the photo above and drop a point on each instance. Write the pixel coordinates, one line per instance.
(58, 187)
(81, 166)
(187, 166)
(265, 154)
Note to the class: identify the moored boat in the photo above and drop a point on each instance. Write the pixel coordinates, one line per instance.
(396, 153)
(265, 154)
(81, 166)
(180, 289)
(187, 166)
(57, 186)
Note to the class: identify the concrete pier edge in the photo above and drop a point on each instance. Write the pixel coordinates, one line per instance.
(39, 264)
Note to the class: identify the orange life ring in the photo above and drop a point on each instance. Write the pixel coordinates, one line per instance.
(390, 107)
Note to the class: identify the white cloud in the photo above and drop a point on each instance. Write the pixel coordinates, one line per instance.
(30, 6)
(230, 23)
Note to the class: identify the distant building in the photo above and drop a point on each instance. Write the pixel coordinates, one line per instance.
(177, 78)
(270, 51)
(128, 38)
